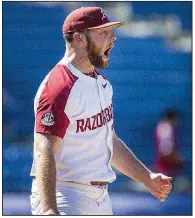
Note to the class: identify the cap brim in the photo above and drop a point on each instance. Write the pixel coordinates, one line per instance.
(112, 25)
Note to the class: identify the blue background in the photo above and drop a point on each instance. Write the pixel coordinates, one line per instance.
(147, 77)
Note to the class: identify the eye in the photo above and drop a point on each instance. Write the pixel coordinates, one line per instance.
(103, 33)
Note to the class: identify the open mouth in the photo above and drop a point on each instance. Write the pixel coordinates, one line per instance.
(107, 52)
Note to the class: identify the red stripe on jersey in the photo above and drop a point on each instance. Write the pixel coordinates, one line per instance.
(50, 116)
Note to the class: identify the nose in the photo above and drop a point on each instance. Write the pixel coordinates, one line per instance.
(113, 37)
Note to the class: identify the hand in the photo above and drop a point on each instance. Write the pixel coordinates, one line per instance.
(159, 185)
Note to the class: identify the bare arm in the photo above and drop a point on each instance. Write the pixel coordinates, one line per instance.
(127, 163)
(45, 148)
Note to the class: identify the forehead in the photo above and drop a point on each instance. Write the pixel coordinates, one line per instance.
(109, 28)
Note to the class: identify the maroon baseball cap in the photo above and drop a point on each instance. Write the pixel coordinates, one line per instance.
(87, 18)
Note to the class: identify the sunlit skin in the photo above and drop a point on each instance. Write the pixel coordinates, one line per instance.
(87, 49)
(99, 41)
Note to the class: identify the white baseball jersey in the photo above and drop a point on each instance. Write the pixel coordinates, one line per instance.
(77, 108)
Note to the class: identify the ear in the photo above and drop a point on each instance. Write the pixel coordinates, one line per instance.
(77, 37)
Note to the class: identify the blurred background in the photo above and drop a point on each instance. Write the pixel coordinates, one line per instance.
(151, 73)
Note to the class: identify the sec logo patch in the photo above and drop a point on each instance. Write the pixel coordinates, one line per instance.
(47, 119)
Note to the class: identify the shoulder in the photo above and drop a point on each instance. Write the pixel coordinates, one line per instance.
(61, 79)
(59, 82)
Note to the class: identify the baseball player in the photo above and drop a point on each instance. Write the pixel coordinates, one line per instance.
(75, 145)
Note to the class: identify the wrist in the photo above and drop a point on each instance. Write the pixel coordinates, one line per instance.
(147, 178)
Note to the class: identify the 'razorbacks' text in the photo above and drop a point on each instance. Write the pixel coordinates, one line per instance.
(95, 121)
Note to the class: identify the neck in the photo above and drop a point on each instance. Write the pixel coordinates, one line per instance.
(79, 60)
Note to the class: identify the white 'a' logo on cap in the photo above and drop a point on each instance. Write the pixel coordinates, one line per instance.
(103, 14)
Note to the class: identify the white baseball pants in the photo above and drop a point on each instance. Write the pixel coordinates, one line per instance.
(76, 199)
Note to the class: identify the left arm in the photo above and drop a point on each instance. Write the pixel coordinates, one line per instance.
(127, 163)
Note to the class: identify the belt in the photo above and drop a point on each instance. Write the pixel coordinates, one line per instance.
(99, 183)
(91, 183)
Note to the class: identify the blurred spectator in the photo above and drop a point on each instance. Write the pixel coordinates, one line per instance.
(168, 159)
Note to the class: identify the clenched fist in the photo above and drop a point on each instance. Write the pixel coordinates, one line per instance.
(159, 185)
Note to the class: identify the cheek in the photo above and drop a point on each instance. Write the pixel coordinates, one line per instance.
(99, 44)
(96, 48)
(100, 47)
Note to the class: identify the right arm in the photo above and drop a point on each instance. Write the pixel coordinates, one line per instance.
(45, 146)
(54, 104)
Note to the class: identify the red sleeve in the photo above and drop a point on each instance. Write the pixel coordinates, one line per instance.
(50, 116)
